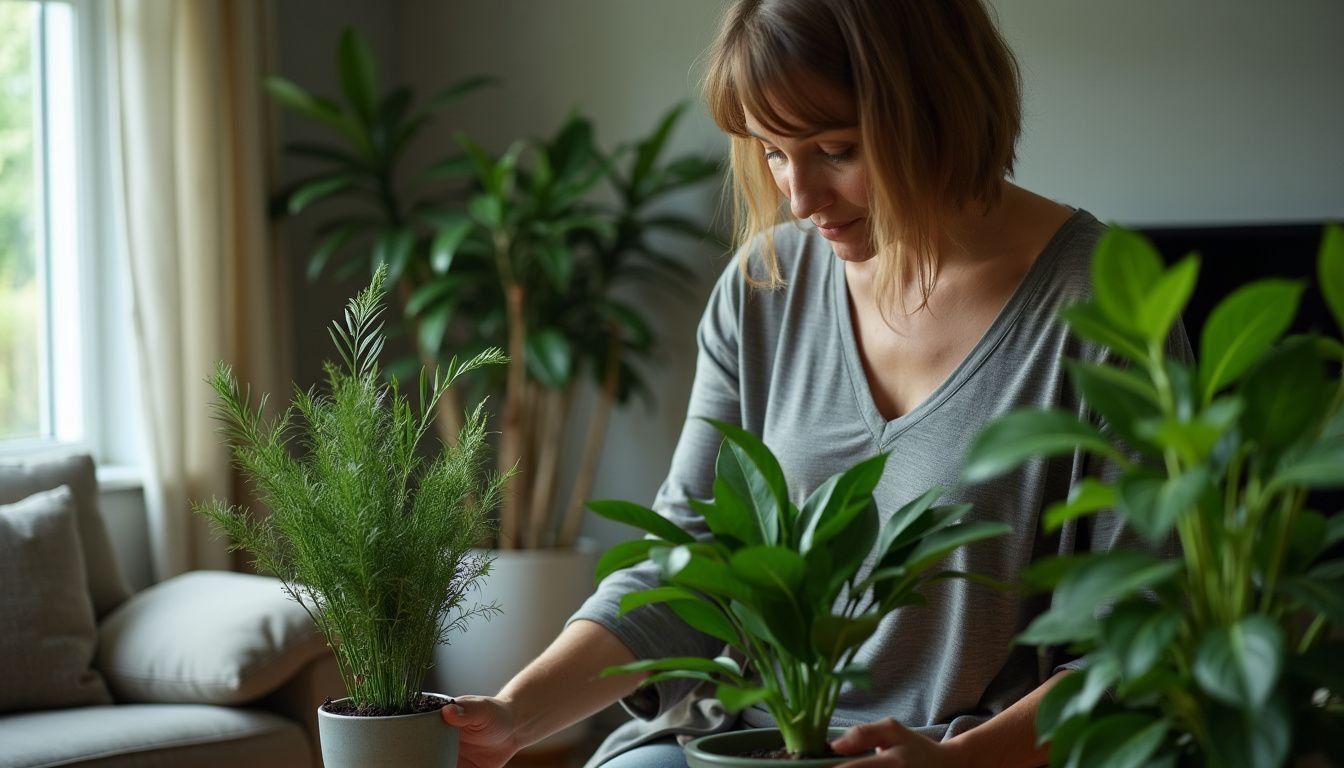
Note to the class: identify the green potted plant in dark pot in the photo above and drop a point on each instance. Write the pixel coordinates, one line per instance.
(372, 537)
(786, 589)
(1222, 654)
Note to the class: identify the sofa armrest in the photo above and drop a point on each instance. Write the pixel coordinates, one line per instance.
(206, 637)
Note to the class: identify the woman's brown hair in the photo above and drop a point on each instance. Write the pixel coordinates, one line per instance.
(938, 100)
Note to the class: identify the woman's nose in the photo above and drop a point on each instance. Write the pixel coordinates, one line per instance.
(807, 194)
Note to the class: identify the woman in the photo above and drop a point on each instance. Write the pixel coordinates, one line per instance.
(913, 298)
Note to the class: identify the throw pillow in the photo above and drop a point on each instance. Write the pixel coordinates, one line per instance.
(206, 637)
(48, 635)
(106, 586)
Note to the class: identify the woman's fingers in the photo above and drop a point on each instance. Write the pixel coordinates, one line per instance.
(882, 734)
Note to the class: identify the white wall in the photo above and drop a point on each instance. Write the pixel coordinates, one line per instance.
(1146, 112)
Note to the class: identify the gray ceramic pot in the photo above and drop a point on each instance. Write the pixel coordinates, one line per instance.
(399, 741)
(723, 750)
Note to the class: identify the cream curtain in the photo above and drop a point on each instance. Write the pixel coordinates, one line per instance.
(192, 125)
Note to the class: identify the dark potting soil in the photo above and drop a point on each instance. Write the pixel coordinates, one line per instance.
(426, 703)
(784, 754)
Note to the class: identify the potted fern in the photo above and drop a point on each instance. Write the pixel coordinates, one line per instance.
(1222, 655)
(372, 538)
(786, 588)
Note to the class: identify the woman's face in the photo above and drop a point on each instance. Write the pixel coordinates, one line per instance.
(821, 171)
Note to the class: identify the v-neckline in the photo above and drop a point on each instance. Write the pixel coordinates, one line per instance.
(885, 430)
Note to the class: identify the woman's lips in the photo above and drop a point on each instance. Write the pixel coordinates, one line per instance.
(835, 230)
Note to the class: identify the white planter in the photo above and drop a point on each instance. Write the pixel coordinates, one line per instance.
(400, 741)
(538, 591)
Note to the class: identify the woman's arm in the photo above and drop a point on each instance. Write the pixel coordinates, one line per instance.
(1007, 740)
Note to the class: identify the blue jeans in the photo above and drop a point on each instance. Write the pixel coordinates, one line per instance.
(665, 753)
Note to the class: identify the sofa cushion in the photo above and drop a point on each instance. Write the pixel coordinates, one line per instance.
(152, 736)
(206, 637)
(106, 586)
(47, 635)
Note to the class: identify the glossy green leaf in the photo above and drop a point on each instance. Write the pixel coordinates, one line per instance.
(432, 326)
(1167, 299)
(1018, 436)
(1317, 594)
(1125, 740)
(1153, 505)
(1125, 270)
(1086, 497)
(319, 189)
(723, 666)
(688, 565)
(707, 618)
(1241, 328)
(1194, 439)
(835, 503)
(296, 98)
(1086, 584)
(1089, 323)
(395, 248)
(643, 518)
(735, 699)
(938, 545)
(1285, 395)
(359, 74)
(833, 636)
(1138, 634)
(646, 155)
(1050, 712)
(446, 243)
(1239, 665)
(1123, 397)
(1240, 739)
(1330, 271)
(911, 517)
(748, 466)
(550, 359)
(766, 567)
(655, 596)
(728, 518)
(1321, 466)
(623, 555)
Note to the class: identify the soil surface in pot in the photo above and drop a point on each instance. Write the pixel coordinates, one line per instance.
(784, 754)
(423, 704)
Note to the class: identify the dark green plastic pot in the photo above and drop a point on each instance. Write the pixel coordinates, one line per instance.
(724, 750)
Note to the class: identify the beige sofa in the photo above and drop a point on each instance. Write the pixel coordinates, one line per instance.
(204, 669)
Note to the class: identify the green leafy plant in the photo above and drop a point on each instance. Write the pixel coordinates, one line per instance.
(371, 538)
(786, 586)
(1215, 654)
(529, 250)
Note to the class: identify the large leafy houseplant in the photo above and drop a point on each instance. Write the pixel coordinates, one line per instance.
(786, 586)
(529, 250)
(370, 537)
(1221, 655)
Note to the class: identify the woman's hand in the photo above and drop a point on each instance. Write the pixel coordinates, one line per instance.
(485, 725)
(897, 747)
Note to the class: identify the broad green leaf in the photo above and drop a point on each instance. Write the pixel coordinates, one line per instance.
(550, 359)
(937, 546)
(359, 75)
(623, 555)
(1123, 397)
(1318, 594)
(787, 625)
(433, 325)
(718, 666)
(735, 699)
(557, 262)
(1331, 271)
(1047, 573)
(1153, 505)
(1125, 270)
(487, 210)
(1241, 328)
(1050, 712)
(647, 153)
(1088, 322)
(766, 567)
(1239, 665)
(330, 245)
(316, 190)
(833, 636)
(707, 618)
(1160, 308)
(642, 518)
(1194, 439)
(1111, 576)
(296, 98)
(654, 596)
(395, 248)
(1086, 497)
(728, 517)
(445, 245)
(431, 293)
(1018, 436)
(1241, 739)
(831, 508)
(749, 467)
(692, 566)
(1125, 740)
(902, 520)
(1137, 634)
(1321, 466)
(1285, 395)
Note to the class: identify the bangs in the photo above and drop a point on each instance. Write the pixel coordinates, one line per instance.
(757, 73)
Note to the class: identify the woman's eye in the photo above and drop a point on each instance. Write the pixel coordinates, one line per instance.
(773, 155)
(838, 156)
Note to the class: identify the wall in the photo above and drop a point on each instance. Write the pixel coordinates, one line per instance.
(1145, 113)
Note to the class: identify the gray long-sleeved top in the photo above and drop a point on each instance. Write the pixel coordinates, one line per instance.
(784, 364)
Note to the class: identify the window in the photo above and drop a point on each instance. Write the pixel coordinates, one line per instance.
(62, 332)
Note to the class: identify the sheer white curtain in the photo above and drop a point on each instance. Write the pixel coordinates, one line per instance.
(191, 122)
